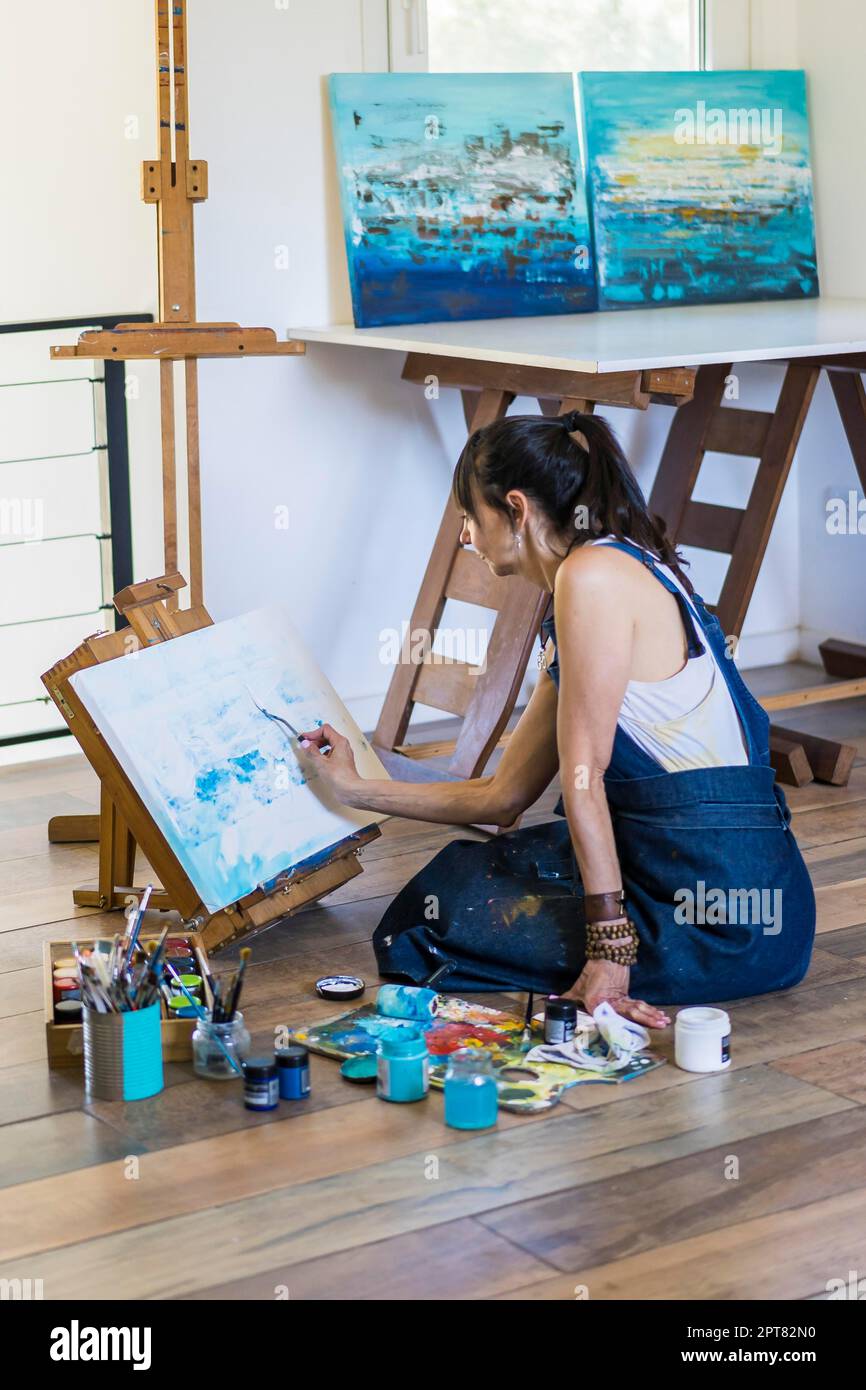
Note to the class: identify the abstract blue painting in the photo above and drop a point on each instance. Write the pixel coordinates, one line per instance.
(700, 186)
(462, 195)
(222, 781)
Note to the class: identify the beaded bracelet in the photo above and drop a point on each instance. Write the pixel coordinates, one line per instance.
(599, 939)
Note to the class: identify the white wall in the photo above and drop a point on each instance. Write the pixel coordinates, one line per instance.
(361, 460)
(75, 237)
(828, 39)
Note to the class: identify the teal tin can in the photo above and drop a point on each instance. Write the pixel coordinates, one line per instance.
(123, 1054)
(402, 1067)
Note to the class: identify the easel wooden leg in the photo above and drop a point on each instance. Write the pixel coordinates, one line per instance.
(193, 478)
(704, 425)
(169, 471)
(486, 406)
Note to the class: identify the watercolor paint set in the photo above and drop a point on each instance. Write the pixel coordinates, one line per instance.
(184, 951)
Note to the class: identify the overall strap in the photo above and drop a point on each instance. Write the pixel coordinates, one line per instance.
(753, 720)
(694, 638)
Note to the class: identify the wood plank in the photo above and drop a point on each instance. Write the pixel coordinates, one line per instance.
(840, 1068)
(684, 449)
(829, 761)
(65, 1142)
(789, 761)
(708, 526)
(30, 1090)
(814, 695)
(462, 1260)
(832, 864)
(850, 396)
(470, 581)
(829, 824)
(397, 706)
(777, 456)
(447, 685)
(345, 1208)
(207, 1174)
(841, 905)
(673, 1201)
(843, 659)
(820, 1241)
(468, 374)
(733, 430)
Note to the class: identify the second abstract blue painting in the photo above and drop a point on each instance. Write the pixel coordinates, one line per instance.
(463, 195)
(700, 186)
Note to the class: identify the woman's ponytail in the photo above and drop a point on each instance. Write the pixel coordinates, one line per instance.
(573, 467)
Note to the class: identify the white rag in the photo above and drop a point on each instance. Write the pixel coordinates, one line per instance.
(617, 1042)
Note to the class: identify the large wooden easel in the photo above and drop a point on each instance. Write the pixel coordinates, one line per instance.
(485, 700)
(173, 183)
(153, 617)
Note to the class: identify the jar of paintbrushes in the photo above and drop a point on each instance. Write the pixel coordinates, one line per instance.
(217, 1045)
(221, 1040)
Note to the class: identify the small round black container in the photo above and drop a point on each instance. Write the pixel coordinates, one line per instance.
(261, 1087)
(560, 1020)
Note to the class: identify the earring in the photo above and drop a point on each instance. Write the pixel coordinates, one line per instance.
(517, 540)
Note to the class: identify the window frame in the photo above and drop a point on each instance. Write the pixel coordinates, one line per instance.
(720, 38)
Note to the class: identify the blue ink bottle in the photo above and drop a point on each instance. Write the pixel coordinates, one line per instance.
(293, 1070)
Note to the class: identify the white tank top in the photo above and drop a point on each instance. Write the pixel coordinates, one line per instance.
(688, 720)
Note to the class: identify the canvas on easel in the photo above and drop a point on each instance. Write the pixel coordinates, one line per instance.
(127, 823)
(225, 784)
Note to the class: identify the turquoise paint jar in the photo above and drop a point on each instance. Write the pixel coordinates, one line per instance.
(402, 1067)
(471, 1093)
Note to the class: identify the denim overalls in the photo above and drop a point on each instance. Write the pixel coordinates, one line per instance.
(713, 877)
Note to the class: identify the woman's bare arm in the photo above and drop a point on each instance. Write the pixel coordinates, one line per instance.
(526, 767)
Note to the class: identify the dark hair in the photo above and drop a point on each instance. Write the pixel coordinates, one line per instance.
(541, 456)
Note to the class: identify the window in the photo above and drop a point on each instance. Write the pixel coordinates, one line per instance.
(560, 35)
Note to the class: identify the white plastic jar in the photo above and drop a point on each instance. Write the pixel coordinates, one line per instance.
(702, 1039)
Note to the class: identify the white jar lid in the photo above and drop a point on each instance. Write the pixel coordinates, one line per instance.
(704, 1020)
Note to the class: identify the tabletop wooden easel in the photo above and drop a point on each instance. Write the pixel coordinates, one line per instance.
(154, 616)
(174, 183)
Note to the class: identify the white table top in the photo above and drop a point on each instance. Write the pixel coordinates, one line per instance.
(628, 340)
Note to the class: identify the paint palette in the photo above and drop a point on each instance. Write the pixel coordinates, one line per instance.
(523, 1088)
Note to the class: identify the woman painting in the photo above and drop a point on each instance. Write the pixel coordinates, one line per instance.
(675, 877)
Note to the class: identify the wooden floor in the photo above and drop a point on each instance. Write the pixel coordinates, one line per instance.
(625, 1190)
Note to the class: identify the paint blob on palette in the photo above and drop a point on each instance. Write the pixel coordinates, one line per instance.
(225, 784)
(463, 195)
(700, 186)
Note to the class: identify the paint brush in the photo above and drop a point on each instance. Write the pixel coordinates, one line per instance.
(202, 1012)
(246, 952)
(135, 925)
(526, 1038)
(275, 718)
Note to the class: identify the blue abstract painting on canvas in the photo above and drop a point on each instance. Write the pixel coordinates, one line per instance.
(700, 186)
(462, 195)
(224, 783)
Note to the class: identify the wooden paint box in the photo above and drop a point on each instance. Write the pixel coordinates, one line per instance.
(65, 1042)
